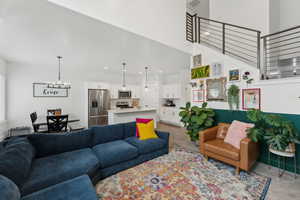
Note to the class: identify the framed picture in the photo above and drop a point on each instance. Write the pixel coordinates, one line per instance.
(216, 89)
(216, 69)
(200, 72)
(251, 99)
(234, 75)
(197, 60)
(41, 90)
(198, 95)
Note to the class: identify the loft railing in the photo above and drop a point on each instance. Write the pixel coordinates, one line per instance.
(237, 41)
(282, 54)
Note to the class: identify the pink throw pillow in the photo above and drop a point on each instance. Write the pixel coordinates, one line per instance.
(143, 121)
(237, 132)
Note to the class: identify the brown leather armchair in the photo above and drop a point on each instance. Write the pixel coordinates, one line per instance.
(243, 158)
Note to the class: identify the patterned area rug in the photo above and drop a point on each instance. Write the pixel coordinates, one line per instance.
(181, 175)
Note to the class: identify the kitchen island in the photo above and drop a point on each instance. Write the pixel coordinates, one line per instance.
(125, 115)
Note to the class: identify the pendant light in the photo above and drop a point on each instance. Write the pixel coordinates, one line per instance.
(123, 76)
(59, 84)
(146, 79)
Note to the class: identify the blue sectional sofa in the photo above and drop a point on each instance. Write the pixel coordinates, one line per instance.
(65, 166)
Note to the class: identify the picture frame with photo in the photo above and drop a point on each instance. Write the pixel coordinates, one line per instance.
(251, 98)
(216, 89)
(216, 69)
(234, 75)
(197, 60)
(198, 95)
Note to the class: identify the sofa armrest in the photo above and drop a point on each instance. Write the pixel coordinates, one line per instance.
(249, 152)
(206, 135)
(163, 135)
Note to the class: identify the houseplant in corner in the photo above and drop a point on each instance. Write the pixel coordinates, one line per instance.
(233, 94)
(196, 119)
(278, 132)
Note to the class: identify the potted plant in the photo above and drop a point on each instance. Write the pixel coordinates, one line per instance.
(233, 94)
(196, 119)
(278, 132)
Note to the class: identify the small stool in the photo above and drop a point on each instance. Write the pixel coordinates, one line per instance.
(284, 155)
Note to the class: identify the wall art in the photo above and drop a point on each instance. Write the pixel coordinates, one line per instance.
(251, 99)
(198, 95)
(216, 69)
(41, 90)
(234, 75)
(200, 72)
(216, 89)
(197, 60)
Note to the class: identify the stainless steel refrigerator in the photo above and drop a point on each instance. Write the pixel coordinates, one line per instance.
(99, 104)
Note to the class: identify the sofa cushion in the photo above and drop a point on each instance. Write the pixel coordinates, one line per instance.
(223, 149)
(236, 132)
(129, 129)
(147, 146)
(8, 189)
(54, 169)
(114, 152)
(55, 143)
(79, 188)
(15, 159)
(104, 134)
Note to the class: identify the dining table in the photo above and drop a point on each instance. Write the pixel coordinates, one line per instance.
(42, 120)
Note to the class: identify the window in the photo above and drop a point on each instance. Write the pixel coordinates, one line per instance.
(2, 97)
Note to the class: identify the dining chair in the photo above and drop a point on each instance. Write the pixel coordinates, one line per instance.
(56, 111)
(57, 123)
(36, 128)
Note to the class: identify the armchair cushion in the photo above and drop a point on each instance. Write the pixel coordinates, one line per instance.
(222, 130)
(221, 148)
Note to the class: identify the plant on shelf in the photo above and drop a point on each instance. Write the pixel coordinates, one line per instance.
(274, 129)
(196, 119)
(233, 97)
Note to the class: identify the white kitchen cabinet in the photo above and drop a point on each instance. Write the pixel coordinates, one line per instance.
(135, 92)
(171, 91)
(170, 115)
(114, 91)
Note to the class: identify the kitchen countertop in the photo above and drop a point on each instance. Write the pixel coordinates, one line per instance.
(130, 110)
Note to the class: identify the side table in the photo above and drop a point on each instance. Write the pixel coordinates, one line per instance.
(283, 155)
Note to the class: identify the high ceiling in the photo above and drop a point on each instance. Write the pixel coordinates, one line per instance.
(34, 32)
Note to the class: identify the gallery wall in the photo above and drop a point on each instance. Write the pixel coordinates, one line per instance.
(277, 96)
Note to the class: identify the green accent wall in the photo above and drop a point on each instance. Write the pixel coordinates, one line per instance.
(228, 116)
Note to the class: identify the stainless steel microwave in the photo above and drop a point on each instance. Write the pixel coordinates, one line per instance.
(124, 94)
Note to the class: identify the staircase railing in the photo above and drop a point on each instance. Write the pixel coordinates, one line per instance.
(282, 54)
(237, 41)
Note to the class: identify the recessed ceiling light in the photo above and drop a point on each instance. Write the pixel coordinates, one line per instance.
(106, 68)
(140, 72)
(161, 71)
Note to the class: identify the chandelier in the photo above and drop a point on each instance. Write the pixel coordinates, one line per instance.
(59, 84)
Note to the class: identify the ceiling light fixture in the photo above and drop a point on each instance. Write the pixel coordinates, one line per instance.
(123, 76)
(146, 79)
(105, 68)
(59, 84)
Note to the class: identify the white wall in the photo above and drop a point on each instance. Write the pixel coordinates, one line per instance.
(2, 98)
(279, 96)
(289, 13)
(20, 90)
(253, 14)
(163, 21)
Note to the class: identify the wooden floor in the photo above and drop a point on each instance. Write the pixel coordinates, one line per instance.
(284, 188)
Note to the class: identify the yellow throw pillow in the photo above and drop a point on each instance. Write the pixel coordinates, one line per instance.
(146, 130)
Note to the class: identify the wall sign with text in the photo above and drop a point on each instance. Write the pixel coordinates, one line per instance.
(41, 90)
